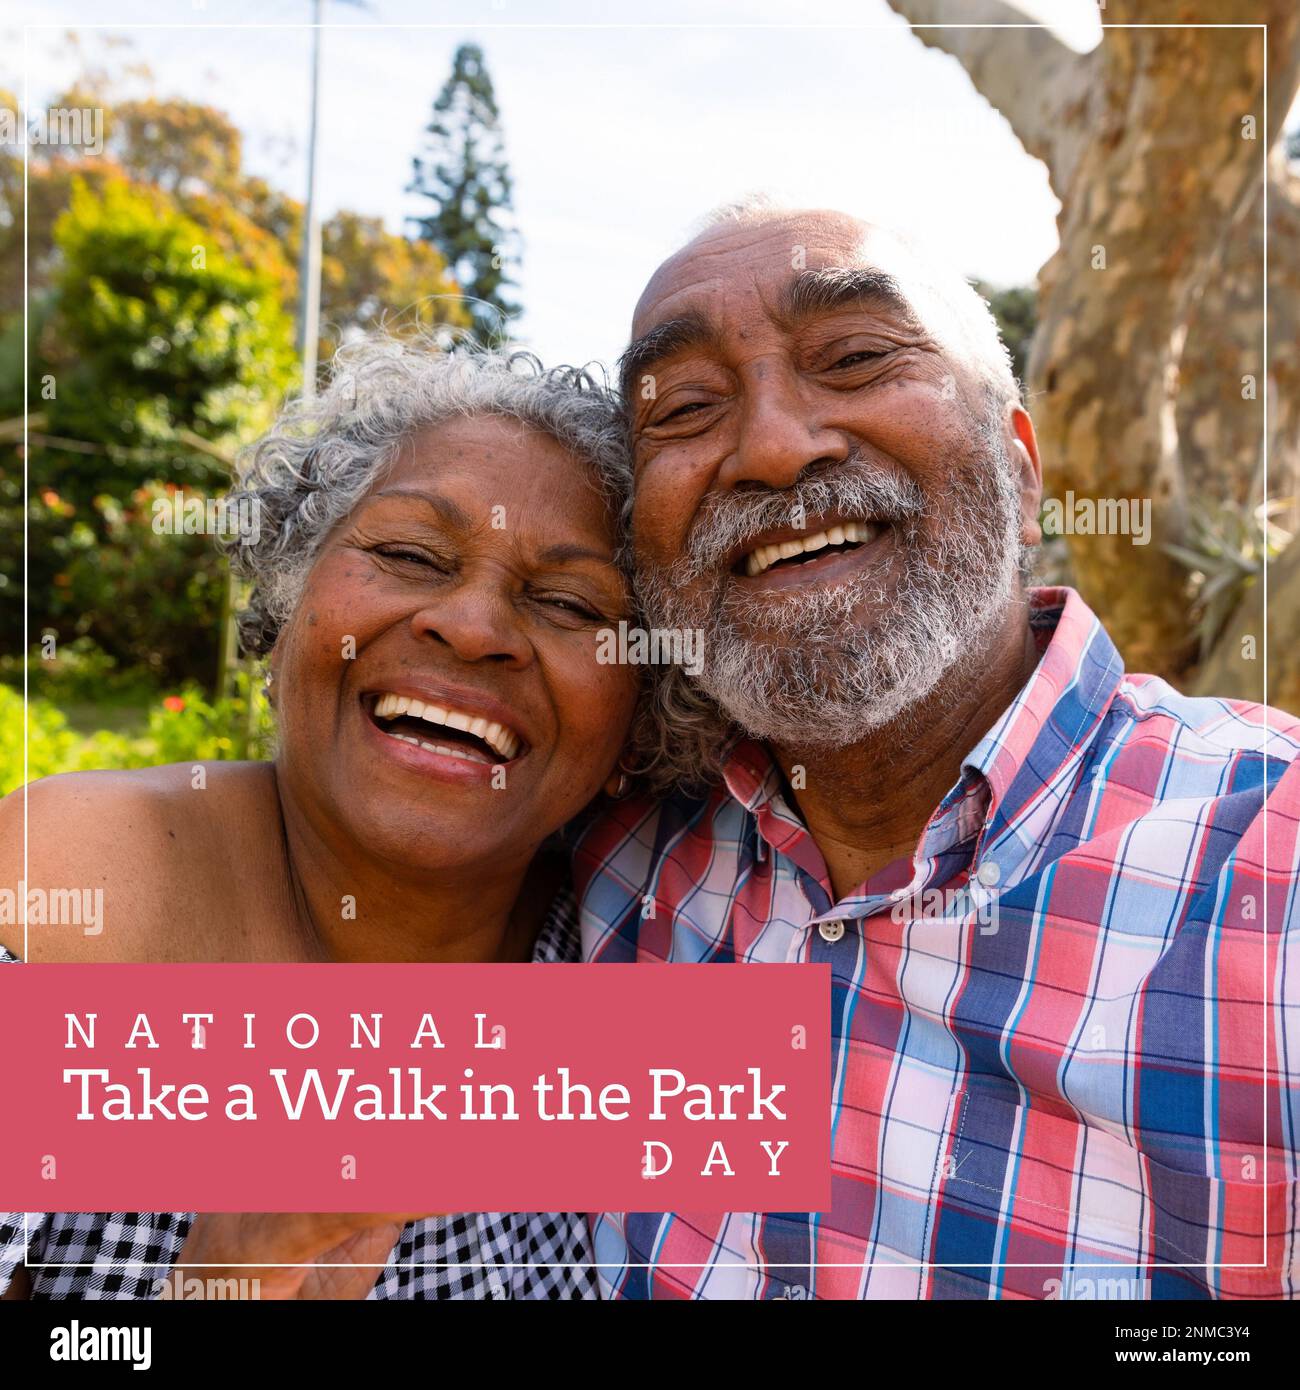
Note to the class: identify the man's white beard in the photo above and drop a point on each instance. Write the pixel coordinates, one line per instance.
(818, 677)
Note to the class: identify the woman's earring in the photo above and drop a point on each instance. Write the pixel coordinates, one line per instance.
(621, 787)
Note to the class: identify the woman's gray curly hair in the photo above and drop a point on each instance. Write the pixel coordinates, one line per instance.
(322, 455)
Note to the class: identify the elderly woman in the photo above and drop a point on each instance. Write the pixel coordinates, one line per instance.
(436, 555)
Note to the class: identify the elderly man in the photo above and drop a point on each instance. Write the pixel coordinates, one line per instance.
(1059, 1061)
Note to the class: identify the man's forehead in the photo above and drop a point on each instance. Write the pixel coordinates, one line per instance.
(763, 259)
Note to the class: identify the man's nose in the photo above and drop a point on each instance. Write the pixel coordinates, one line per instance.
(477, 622)
(780, 435)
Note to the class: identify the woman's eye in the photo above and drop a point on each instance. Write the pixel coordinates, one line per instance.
(409, 553)
(567, 603)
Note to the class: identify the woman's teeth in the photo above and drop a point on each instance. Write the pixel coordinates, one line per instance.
(468, 755)
(500, 739)
(850, 533)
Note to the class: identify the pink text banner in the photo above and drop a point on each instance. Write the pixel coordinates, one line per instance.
(412, 1088)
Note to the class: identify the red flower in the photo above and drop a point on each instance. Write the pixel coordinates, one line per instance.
(174, 703)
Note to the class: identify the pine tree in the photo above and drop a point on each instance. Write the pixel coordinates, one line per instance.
(462, 170)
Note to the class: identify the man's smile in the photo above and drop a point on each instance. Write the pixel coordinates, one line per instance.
(841, 537)
(830, 550)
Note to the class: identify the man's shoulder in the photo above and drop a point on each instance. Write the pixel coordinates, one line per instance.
(1211, 783)
(1220, 728)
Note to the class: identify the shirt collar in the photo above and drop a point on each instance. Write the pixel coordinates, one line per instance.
(1049, 722)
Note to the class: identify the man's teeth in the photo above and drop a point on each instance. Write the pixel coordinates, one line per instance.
(765, 556)
(500, 739)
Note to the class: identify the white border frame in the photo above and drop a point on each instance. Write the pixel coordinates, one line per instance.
(829, 28)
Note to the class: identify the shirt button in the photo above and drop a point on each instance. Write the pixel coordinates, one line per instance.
(831, 931)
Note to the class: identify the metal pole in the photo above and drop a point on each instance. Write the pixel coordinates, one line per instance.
(309, 262)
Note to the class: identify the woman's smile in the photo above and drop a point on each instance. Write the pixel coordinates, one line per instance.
(458, 736)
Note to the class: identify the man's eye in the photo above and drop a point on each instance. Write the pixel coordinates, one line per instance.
(855, 359)
(681, 412)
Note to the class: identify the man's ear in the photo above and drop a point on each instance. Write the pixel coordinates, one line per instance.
(1024, 453)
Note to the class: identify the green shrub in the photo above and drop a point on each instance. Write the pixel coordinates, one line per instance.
(182, 728)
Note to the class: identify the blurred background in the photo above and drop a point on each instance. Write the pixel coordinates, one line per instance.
(200, 199)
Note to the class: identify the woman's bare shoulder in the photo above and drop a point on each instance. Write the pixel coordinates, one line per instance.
(118, 864)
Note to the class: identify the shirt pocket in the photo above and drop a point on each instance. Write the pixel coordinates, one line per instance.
(1068, 1210)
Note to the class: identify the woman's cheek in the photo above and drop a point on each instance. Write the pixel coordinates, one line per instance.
(598, 706)
(342, 607)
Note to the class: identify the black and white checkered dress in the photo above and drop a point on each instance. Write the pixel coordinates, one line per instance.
(486, 1254)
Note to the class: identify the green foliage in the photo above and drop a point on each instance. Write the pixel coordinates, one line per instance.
(1225, 554)
(182, 728)
(51, 745)
(163, 282)
(79, 673)
(463, 171)
(164, 352)
(149, 601)
(369, 276)
(160, 331)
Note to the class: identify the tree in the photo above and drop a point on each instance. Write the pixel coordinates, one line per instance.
(369, 275)
(463, 172)
(192, 153)
(159, 354)
(157, 333)
(1147, 370)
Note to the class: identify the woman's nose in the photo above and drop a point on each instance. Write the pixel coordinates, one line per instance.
(476, 622)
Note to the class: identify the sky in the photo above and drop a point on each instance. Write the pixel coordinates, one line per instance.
(619, 135)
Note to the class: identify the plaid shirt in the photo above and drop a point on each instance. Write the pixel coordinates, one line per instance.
(1065, 1034)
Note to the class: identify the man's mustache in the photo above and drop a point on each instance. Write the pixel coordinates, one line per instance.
(851, 488)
